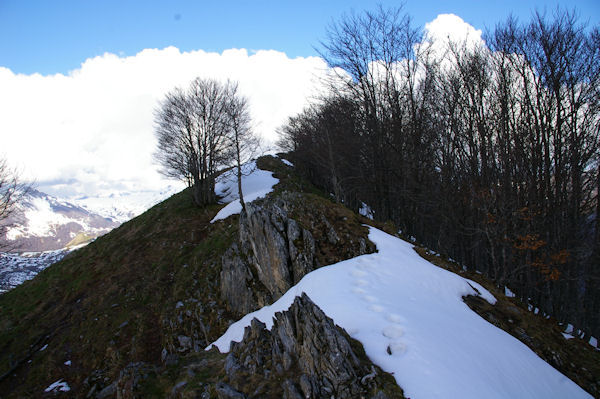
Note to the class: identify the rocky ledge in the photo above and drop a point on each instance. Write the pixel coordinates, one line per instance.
(304, 355)
(274, 251)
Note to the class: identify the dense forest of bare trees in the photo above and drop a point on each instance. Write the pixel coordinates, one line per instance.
(486, 152)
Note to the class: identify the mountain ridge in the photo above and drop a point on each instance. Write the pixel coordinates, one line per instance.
(131, 312)
(46, 223)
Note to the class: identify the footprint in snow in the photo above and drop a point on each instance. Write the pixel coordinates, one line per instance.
(393, 331)
(361, 283)
(376, 308)
(369, 298)
(394, 318)
(396, 348)
(358, 273)
(359, 291)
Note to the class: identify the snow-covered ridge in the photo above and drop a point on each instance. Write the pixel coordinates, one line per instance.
(410, 318)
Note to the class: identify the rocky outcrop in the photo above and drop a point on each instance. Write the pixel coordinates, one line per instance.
(236, 280)
(279, 250)
(127, 386)
(305, 355)
(272, 255)
(281, 239)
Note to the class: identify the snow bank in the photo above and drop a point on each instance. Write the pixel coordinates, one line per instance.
(256, 183)
(395, 302)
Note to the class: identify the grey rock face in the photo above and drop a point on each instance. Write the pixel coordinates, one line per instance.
(264, 234)
(235, 282)
(306, 351)
(224, 391)
(273, 254)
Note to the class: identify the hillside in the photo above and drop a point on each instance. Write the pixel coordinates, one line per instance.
(130, 314)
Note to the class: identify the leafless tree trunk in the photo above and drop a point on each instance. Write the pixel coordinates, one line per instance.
(245, 143)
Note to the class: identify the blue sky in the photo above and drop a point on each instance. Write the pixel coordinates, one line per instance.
(57, 36)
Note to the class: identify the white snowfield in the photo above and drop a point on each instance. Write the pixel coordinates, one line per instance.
(256, 183)
(395, 301)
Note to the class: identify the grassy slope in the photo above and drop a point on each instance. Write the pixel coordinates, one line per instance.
(102, 307)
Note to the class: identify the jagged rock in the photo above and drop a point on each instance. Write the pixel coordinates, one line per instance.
(131, 379)
(235, 277)
(107, 391)
(332, 236)
(304, 348)
(225, 391)
(262, 230)
(302, 258)
(185, 343)
(273, 254)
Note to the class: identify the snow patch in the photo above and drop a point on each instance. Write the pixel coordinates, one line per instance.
(569, 329)
(16, 268)
(59, 385)
(411, 319)
(508, 293)
(366, 211)
(256, 183)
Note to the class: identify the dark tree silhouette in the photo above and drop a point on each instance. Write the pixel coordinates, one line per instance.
(200, 131)
(490, 154)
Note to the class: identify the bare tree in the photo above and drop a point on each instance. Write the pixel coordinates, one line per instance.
(12, 191)
(244, 142)
(202, 130)
(193, 131)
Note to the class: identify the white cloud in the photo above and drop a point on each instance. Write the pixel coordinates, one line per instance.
(91, 131)
(446, 28)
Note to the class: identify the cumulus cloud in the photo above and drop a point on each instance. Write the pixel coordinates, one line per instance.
(91, 131)
(450, 28)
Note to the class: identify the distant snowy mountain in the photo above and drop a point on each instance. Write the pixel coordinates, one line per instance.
(121, 207)
(46, 223)
(45, 228)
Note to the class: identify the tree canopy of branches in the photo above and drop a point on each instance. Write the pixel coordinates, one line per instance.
(200, 131)
(489, 153)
